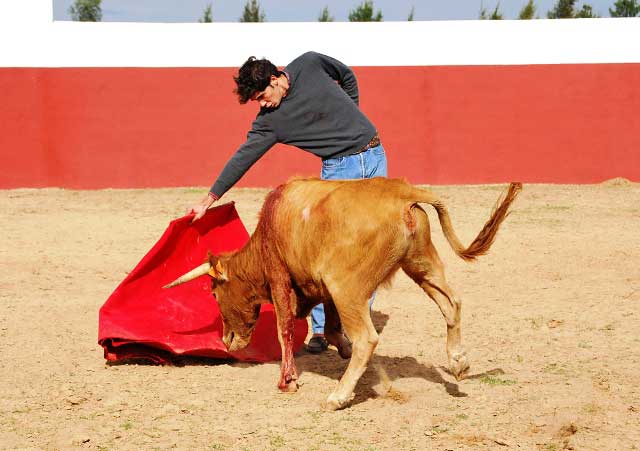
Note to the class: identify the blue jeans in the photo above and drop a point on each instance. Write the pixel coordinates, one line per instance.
(364, 165)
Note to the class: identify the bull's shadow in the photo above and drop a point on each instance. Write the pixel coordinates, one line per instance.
(371, 385)
(330, 364)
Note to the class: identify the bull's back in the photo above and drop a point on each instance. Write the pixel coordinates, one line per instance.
(331, 206)
(324, 225)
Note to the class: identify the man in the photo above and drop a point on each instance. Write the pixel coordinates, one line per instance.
(312, 104)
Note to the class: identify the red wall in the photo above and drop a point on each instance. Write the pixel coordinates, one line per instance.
(141, 127)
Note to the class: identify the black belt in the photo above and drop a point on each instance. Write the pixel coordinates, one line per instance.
(375, 142)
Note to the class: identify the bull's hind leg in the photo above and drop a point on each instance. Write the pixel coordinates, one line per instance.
(424, 266)
(356, 320)
(450, 306)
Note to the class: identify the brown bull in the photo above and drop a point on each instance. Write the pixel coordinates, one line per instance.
(335, 242)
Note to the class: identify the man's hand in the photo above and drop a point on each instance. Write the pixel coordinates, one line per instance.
(200, 209)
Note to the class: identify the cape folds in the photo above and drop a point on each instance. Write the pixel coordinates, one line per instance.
(141, 320)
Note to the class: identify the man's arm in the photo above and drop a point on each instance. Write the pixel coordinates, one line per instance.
(342, 74)
(259, 140)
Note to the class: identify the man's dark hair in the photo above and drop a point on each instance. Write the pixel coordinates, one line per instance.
(254, 76)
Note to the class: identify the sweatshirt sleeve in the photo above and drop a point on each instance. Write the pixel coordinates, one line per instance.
(259, 140)
(341, 73)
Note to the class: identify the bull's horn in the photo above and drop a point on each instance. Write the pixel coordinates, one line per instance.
(196, 272)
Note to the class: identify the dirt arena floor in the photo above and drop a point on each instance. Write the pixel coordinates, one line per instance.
(551, 322)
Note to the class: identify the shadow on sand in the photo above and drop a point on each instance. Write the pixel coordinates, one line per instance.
(374, 383)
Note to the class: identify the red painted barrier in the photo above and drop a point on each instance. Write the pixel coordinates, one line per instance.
(144, 127)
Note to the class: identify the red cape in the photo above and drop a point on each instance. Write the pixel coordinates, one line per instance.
(141, 320)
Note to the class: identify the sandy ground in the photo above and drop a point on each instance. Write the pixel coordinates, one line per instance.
(551, 321)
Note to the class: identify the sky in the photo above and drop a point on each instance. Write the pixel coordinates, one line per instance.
(309, 10)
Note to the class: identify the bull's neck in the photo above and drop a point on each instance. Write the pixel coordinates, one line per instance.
(248, 263)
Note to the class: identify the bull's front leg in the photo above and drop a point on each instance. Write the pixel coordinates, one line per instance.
(284, 300)
(358, 325)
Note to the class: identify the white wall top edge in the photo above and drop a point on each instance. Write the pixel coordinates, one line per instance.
(508, 42)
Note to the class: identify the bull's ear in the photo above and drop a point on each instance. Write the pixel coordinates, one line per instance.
(217, 271)
(221, 272)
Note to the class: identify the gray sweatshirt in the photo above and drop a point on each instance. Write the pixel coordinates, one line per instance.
(318, 115)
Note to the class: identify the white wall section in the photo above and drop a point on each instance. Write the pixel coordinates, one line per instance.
(31, 39)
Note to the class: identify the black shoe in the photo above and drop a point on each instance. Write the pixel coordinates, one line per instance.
(317, 345)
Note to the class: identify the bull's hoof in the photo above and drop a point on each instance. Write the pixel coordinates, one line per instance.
(459, 365)
(288, 387)
(336, 403)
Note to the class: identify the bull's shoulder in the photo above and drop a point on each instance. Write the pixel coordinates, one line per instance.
(315, 183)
(378, 186)
(300, 178)
(307, 191)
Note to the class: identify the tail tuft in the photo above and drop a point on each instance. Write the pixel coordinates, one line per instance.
(487, 235)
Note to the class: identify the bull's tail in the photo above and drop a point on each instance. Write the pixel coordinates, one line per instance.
(487, 235)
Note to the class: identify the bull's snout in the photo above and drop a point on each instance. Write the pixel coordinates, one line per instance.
(235, 342)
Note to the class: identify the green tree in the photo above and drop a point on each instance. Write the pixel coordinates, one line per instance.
(566, 9)
(563, 9)
(495, 15)
(413, 10)
(528, 11)
(207, 17)
(86, 11)
(625, 8)
(325, 17)
(252, 12)
(482, 15)
(364, 13)
(586, 12)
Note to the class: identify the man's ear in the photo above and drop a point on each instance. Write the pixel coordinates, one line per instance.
(217, 271)
(273, 81)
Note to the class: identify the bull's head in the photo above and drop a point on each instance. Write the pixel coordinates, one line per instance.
(239, 305)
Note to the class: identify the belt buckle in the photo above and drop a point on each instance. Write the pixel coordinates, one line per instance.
(375, 141)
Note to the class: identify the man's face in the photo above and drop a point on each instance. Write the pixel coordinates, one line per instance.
(272, 95)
